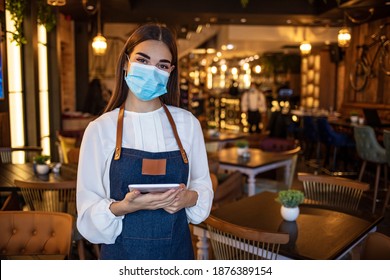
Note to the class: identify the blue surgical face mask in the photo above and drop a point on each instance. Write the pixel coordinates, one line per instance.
(146, 82)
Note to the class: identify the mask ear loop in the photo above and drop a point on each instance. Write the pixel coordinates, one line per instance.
(125, 67)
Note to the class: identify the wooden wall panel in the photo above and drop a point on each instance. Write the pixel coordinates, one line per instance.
(377, 92)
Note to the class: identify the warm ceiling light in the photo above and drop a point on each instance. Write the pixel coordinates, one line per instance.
(56, 2)
(305, 48)
(344, 37)
(99, 45)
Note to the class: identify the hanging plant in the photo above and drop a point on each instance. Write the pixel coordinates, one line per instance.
(244, 3)
(46, 16)
(17, 10)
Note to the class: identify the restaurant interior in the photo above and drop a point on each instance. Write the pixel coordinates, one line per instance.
(323, 68)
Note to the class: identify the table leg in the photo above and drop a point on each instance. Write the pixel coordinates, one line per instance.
(251, 184)
(202, 245)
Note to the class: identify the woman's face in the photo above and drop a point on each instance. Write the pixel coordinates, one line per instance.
(153, 52)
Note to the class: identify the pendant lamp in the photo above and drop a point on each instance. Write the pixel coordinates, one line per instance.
(99, 43)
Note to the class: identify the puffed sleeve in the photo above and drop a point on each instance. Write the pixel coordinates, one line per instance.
(199, 176)
(95, 220)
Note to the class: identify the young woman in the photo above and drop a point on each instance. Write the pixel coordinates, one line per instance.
(143, 138)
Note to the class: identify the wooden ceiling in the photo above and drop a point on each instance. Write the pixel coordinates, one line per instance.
(191, 13)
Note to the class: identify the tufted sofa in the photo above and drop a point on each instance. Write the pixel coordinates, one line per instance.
(35, 235)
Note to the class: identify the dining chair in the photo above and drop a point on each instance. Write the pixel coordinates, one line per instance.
(279, 146)
(386, 141)
(376, 247)
(23, 154)
(233, 242)
(333, 140)
(227, 187)
(336, 192)
(65, 144)
(369, 150)
(73, 155)
(53, 197)
(35, 235)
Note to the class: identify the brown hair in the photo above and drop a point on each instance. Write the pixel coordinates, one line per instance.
(149, 31)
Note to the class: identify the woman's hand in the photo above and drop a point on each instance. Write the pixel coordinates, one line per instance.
(135, 201)
(185, 198)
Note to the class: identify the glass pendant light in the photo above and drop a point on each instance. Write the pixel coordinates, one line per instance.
(305, 46)
(99, 43)
(344, 36)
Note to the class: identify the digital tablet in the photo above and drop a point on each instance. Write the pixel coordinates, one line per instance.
(146, 188)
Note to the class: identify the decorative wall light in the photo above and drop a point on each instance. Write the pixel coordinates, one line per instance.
(305, 46)
(99, 43)
(344, 36)
(56, 2)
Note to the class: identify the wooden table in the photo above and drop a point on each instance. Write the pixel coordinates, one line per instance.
(258, 162)
(10, 172)
(318, 233)
(223, 136)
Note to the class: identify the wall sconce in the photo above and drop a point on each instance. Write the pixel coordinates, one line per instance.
(344, 37)
(56, 2)
(99, 43)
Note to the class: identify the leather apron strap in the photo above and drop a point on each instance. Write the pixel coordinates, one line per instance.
(119, 133)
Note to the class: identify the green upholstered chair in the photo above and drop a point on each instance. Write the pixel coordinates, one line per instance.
(369, 150)
(386, 141)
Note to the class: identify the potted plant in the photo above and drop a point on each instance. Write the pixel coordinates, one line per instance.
(242, 146)
(354, 116)
(290, 201)
(41, 165)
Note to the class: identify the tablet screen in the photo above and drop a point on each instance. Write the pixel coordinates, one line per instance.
(145, 188)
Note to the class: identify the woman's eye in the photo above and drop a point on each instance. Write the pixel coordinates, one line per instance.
(163, 66)
(142, 60)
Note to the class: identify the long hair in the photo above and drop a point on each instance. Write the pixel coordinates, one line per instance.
(149, 31)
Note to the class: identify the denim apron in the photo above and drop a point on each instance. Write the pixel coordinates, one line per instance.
(148, 234)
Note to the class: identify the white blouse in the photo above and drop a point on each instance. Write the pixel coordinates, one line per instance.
(150, 132)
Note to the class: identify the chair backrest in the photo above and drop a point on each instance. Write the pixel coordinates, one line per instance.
(376, 247)
(233, 242)
(49, 196)
(367, 145)
(24, 154)
(35, 235)
(288, 148)
(73, 155)
(336, 192)
(65, 144)
(310, 129)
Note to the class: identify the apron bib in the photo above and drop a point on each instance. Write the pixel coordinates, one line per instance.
(148, 234)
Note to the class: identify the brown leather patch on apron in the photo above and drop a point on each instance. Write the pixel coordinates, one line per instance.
(154, 166)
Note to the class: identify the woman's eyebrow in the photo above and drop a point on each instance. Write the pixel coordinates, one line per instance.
(143, 54)
(148, 57)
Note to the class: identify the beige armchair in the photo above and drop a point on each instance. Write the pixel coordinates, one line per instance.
(28, 235)
(228, 187)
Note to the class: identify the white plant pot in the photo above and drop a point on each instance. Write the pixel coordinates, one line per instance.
(241, 151)
(354, 119)
(289, 214)
(42, 169)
